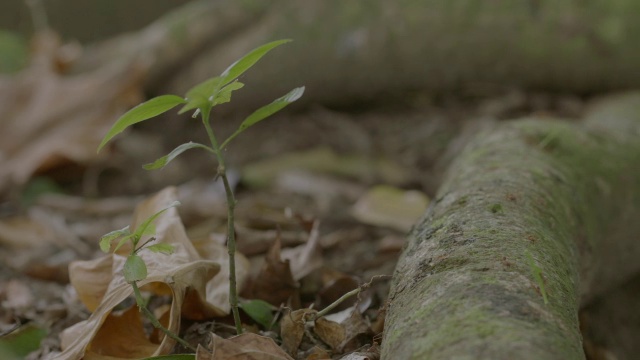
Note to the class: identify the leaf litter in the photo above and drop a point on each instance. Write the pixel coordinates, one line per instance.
(305, 249)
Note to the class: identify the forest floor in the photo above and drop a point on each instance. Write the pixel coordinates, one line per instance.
(339, 189)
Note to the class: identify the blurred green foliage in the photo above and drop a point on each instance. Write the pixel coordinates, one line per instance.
(13, 52)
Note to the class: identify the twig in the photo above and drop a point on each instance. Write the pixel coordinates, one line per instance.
(351, 293)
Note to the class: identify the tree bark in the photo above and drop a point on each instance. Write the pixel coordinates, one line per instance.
(530, 197)
(365, 49)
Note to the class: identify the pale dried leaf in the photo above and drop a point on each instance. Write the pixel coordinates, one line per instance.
(305, 258)
(217, 289)
(391, 207)
(177, 274)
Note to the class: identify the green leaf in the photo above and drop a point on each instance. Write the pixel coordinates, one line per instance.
(265, 112)
(150, 229)
(105, 240)
(224, 95)
(142, 229)
(260, 311)
(247, 61)
(163, 161)
(134, 269)
(18, 344)
(144, 111)
(198, 97)
(123, 240)
(166, 249)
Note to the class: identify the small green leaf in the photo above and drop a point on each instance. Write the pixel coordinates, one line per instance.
(166, 249)
(265, 112)
(150, 229)
(144, 111)
(105, 240)
(198, 97)
(260, 311)
(247, 61)
(142, 229)
(163, 161)
(124, 240)
(224, 95)
(134, 269)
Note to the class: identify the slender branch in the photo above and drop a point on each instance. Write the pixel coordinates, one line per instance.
(351, 293)
(333, 305)
(231, 234)
(154, 321)
(143, 245)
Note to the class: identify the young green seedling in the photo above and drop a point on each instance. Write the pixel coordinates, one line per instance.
(201, 99)
(135, 269)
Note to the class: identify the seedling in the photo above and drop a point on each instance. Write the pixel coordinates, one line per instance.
(135, 269)
(201, 99)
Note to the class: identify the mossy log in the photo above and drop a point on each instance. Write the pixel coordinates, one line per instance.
(533, 219)
(365, 49)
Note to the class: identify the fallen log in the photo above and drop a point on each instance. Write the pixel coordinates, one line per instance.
(368, 49)
(533, 219)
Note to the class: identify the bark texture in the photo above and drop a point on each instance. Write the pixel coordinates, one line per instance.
(544, 197)
(346, 50)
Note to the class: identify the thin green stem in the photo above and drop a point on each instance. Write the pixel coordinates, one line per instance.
(351, 293)
(333, 305)
(231, 233)
(154, 321)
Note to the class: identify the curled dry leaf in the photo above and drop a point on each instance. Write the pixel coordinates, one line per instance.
(246, 346)
(332, 333)
(275, 284)
(292, 329)
(295, 325)
(305, 258)
(185, 275)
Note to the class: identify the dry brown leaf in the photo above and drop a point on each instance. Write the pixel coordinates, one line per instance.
(100, 285)
(332, 333)
(305, 258)
(243, 347)
(292, 329)
(357, 332)
(275, 283)
(48, 119)
(318, 353)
